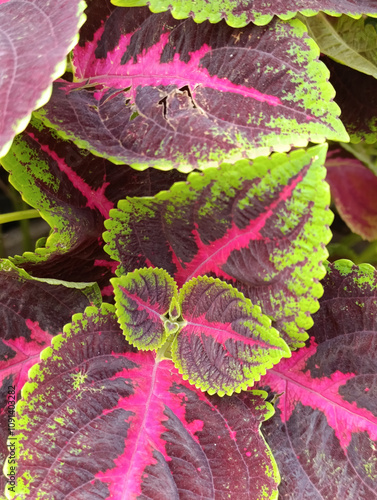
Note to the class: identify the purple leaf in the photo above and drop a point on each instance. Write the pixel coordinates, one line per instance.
(238, 13)
(353, 190)
(324, 435)
(73, 191)
(31, 313)
(151, 90)
(35, 38)
(262, 226)
(143, 299)
(122, 424)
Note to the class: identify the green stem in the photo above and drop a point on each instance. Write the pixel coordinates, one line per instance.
(20, 215)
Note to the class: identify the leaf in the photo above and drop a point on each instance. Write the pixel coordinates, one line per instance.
(353, 190)
(324, 436)
(238, 13)
(153, 91)
(73, 191)
(359, 109)
(262, 226)
(33, 54)
(32, 311)
(122, 424)
(226, 344)
(143, 299)
(349, 41)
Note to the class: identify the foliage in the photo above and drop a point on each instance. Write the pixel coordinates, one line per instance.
(183, 295)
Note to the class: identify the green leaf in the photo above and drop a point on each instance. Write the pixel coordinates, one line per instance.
(143, 299)
(226, 343)
(352, 42)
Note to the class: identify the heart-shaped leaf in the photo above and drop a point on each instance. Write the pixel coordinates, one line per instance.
(239, 13)
(324, 436)
(35, 38)
(143, 299)
(123, 424)
(261, 225)
(145, 95)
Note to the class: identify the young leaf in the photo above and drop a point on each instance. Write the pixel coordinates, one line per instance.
(359, 108)
(121, 424)
(226, 344)
(324, 435)
(261, 225)
(35, 38)
(143, 299)
(353, 190)
(349, 41)
(238, 13)
(32, 311)
(73, 191)
(147, 97)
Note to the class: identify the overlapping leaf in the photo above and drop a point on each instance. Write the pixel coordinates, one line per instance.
(123, 424)
(357, 97)
(324, 435)
(153, 91)
(353, 190)
(73, 191)
(349, 41)
(261, 225)
(32, 311)
(35, 38)
(238, 13)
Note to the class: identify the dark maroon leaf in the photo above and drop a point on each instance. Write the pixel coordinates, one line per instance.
(324, 435)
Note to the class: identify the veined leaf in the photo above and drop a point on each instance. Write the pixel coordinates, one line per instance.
(324, 435)
(73, 191)
(121, 424)
(35, 38)
(353, 190)
(359, 108)
(32, 311)
(238, 13)
(262, 226)
(153, 91)
(143, 299)
(226, 343)
(349, 41)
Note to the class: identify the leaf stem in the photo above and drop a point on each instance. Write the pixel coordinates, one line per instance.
(19, 215)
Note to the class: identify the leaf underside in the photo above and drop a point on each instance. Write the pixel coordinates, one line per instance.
(154, 91)
(120, 424)
(324, 434)
(238, 13)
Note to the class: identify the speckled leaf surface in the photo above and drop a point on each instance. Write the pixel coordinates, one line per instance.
(262, 226)
(349, 41)
(226, 343)
(324, 433)
(73, 191)
(35, 38)
(238, 13)
(353, 190)
(143, 300)
(31, 313)
(123, 424)
(153, 91)
(359, 108)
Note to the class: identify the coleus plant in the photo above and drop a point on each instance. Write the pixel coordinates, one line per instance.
(170, 313)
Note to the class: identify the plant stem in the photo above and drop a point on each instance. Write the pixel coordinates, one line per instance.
(20, 215)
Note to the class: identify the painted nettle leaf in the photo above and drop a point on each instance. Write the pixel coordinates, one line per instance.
(238, 13)
(223, 344)
(73, 191)
(260, 225)
(120, 423)
(153, 91)
(324, 433)
(32, 311)
(35, 38)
